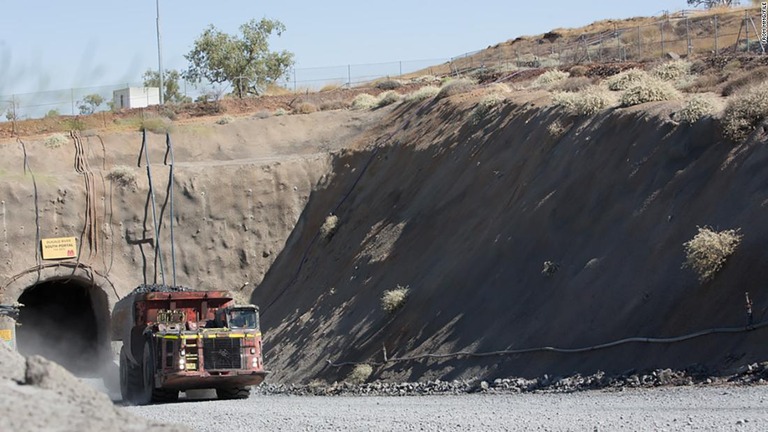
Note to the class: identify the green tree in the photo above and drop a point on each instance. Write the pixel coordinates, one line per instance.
(244, 60)
(172, 93)
(90, 103)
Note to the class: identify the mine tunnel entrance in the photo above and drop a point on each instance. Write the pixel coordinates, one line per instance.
(66, 320)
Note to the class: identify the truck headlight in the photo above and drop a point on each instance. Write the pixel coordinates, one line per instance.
(255, 362)
(182, 363)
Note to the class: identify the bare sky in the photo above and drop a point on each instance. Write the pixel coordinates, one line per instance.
(54, 44)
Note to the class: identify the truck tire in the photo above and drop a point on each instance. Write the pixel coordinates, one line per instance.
(228, 393)
(143, 395)
(130, 378)
(124, 387)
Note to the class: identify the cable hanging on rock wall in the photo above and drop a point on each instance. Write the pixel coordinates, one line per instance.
(652, 340)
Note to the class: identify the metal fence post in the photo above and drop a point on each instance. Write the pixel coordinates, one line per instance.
(716, 30)
(639, 44)
(688, 35)
(661, 26)
(618, 41)
(349, 76)
(401, 69)
(294, 79)
(72, 97)
(746, 31)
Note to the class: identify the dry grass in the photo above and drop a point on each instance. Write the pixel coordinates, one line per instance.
(744, 79)
(393, 300)
(225, 120)
(587, 102)
(626, 79)
(696, 107)
(556, 129)
(650, 89)
(388, 84)
(424, 93)
(122, 176)
(364, 101)
(485, 106)
(550, 77)
(708, 250)
(305, 108)
(333, 105)
(388, 98)
(331, 87)
(456, 86)
(745, 111)
(360, 374)
(56, 140)
(578, 71)
(572, 85)
(672, 71)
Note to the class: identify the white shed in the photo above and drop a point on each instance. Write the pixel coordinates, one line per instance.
(136, 97)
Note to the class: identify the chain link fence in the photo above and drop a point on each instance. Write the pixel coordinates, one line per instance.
(680, 34)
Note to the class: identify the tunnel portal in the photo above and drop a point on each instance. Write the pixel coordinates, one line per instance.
(66, 320)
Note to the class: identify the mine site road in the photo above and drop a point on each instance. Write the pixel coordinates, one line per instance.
(716, 408)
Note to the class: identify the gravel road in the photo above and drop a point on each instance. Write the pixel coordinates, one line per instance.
(721, 408)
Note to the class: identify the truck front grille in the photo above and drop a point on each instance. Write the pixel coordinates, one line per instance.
(222, 353)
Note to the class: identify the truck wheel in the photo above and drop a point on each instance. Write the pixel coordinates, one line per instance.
(130, 378)
(233, 392)
(124, 387)
(144, 394)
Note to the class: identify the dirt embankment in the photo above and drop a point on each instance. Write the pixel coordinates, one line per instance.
(37, 394)
(466, 214)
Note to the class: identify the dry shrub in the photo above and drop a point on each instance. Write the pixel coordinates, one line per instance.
(745, 79)
(626, 79)
(360, 374)
(393, 300)
(556, 129)
(550, 77)
(578, 71)
(123, 176)
(306, 108)
(587, 102)
(456, 86)
(485, 106)
(330, 226)
(388, 98)
(364, 101)
(650, 89)
(708, 250)
(745, 111)
(56, 140)
(225, 120)
(330, 87)
(388, 84)
(424, 93)
(702, 84)
(498, 88)
(572, 85)
(672, 71)
(695, 108)
(280, 112)
(262, 115)
(158, 125)
(333, 105)
(426, 79)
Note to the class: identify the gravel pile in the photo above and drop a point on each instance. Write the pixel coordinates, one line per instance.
(755, 373)
(143, 289)
(39, 395)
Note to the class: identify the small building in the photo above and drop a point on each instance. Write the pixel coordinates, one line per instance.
(136, 97)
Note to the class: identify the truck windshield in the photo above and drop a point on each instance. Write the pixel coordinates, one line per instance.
(243, 318)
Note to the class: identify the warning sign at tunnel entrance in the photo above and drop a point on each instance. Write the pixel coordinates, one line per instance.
(59, 248)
